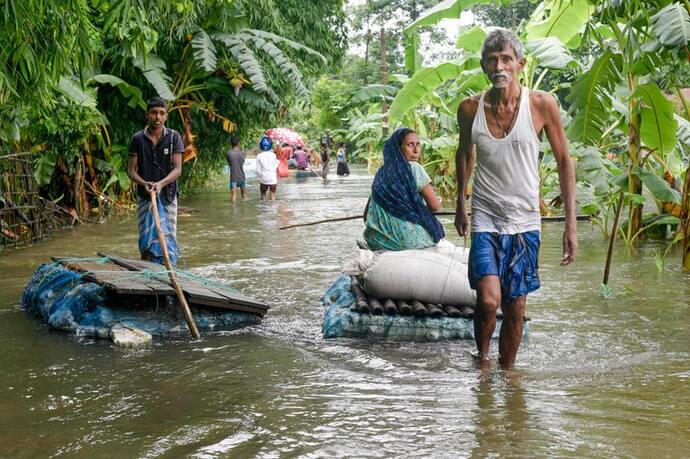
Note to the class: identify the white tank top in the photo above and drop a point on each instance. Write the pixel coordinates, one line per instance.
(505, 193)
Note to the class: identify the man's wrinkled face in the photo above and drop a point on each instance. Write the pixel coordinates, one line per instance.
(502, 67)
(156, 117)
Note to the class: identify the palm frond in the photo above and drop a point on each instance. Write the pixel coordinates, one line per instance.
(204, 50)
(248, 61)
(284, 64)
(292, 44)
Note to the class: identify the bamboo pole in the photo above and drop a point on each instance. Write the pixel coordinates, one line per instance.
(443, 212)
(171, 273)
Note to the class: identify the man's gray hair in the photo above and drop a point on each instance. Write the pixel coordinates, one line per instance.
(498, 39)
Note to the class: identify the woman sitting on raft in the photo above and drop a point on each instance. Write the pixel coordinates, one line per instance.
(399, 215)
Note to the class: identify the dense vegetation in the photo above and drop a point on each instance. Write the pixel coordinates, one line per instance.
(74, 74)
(619, 70)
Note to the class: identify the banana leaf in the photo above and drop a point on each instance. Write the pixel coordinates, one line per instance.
(658, 126)
(425, 81)
(672, 25)
(559, 18)
(591, 98)
(471, 39)
(657, 186)
(550, 52)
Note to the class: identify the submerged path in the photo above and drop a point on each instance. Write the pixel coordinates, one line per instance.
(596, 377)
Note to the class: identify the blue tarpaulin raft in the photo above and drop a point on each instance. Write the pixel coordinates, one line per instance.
(340, 320)
(92, 296)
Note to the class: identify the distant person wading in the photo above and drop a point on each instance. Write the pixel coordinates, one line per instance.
(325, 161)
(341, 159)
(235, 159)
(267, 169)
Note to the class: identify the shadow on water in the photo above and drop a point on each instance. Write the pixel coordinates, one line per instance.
(595, 378)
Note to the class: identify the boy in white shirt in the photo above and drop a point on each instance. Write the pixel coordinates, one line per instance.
(266, 169)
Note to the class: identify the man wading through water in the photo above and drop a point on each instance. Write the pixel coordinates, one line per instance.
(155, 163)
(505, 124)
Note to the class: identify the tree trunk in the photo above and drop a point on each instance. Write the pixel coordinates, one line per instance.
(685, 221)
(366, 57)
(190, 151)
(81, 201)
(384, 79)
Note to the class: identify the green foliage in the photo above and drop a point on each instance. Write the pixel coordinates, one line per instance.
(672, 25)
(658, 127)
(75, 75)
(559, 19)
(591, 98)
(445, 9)
(471, 39)
(204, 51)
(329, 97)
(549, 52)
(426, 80)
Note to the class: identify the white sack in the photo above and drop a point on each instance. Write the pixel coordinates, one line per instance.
(433, 275)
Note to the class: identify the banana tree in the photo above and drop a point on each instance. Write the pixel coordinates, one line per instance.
(366, 132)
(616, 104)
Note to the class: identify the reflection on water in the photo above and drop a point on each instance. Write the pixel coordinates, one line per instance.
(596, 377)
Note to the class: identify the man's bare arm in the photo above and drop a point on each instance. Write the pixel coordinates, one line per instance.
(464, 160)
(553, 125)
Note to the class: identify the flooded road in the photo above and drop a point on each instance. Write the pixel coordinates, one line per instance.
(596, 378)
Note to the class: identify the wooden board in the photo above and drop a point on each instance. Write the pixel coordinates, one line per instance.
(196, 291)
(116, 279)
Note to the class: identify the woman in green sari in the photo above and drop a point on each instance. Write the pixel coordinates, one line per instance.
(399, 212)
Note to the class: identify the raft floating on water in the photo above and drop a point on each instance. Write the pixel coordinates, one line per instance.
(347, 316)
(104, 296)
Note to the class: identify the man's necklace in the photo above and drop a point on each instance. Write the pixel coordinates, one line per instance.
(512, 119)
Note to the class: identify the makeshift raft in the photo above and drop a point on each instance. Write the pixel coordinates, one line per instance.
(350, 313)
(94, 296)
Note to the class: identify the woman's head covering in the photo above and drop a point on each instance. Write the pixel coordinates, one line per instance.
(395, 190)
(265, 143)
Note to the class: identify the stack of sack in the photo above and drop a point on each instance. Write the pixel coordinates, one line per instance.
(436, 275)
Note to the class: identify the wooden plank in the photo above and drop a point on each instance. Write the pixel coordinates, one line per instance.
(195, 286)
(112, 281)
(158, 281)
(197, 292)
(115, 278)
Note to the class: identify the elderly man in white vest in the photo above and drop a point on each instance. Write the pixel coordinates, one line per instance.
(502, 130)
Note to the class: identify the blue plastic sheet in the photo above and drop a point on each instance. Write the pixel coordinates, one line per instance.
(66, 301)
(340, 321)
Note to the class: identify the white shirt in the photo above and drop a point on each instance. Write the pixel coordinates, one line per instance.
(267, 167)
(505, 193)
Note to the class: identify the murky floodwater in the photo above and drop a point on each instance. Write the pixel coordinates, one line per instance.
(596, 378)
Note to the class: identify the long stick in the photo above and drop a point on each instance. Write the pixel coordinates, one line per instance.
(614, 233)
(171, 273)
(443, 212)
